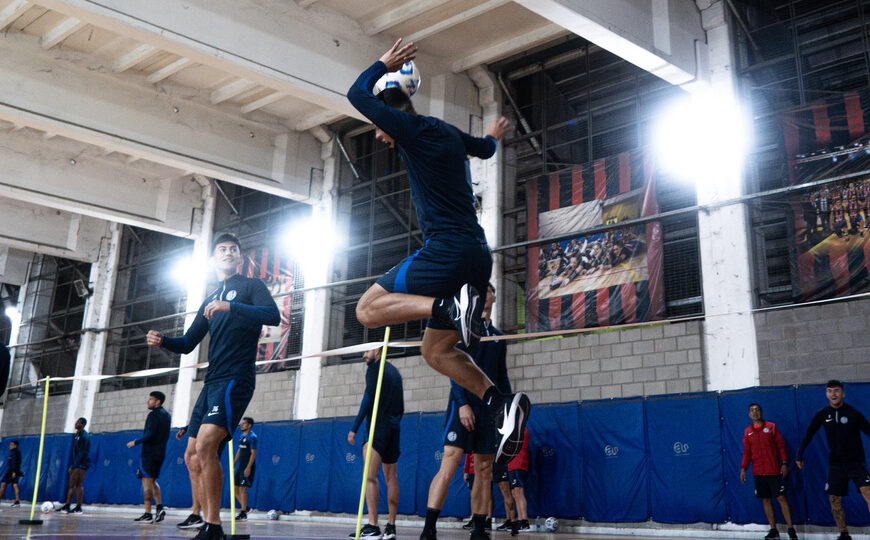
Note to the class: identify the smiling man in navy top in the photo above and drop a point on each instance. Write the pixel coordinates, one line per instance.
(455, 258)
(233, 315)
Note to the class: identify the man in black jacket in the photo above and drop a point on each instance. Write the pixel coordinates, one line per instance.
(153, 441)
(13, 473)
(843, 426)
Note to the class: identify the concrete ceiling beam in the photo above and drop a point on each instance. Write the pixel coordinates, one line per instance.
(39, 229)
(405, 12)
(61, 31)
(510, 46)
(12, 11)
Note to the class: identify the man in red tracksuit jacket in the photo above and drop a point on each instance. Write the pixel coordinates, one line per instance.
(764, 447)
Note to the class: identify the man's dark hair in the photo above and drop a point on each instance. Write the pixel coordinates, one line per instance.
(226, 237)
(14, 442)
(83, 420)
(834, 383)
(756, 405)
(249, 420)
(159, 395)
(395, 98)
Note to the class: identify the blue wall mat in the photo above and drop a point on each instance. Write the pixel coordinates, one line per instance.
(174, 479)
(315, 451)
(556, 462)
(685, 451)
(614, 454)
(54, 477)
(408, 502)
(809, 400)
(116, 481)
(346, 472)
(430, 449)
(778, 404)
(275, 483)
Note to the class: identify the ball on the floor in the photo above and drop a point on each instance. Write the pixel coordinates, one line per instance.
(47, 506)
(552, 524)
(272, 514)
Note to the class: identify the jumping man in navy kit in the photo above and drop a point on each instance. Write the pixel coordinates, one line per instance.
(843, 426)
(385, 445)
(233, 315)
(153, 441)
(455, 258)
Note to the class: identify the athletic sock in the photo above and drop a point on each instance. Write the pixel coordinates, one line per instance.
(493, 399)
(478, 522)
(431, 517)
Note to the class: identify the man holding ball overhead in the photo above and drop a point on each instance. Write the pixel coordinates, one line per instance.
(233, 316)
(455, 258)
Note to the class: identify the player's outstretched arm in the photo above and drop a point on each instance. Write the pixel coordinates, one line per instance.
(184, 344)
(485, 147)
(398, 55)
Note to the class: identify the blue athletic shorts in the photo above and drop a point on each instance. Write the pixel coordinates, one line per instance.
(440, 268)
(149, 466)
(480, 441)
(241, 479)
(386, 442)
(499, 473)
(221, 403)
(519, 478)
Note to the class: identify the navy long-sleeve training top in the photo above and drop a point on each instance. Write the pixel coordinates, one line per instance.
(435, 154)
(392, 404)
(232, 350)
(843, 429)
(15, 461)
(156, 433)
(491, 358)
(81, 450)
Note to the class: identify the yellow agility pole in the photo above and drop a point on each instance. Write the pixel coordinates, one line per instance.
(233, 535)
(368, 460)
(33, 521)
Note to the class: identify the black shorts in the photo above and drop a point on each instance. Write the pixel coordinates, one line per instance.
(221, 403)
(440, 268)
(499, 473)
(480, 441)
(386, 442)
(8, 478)
(241, 479)
(519, 479)
(769, 486)
(149, 467)
(839, 476)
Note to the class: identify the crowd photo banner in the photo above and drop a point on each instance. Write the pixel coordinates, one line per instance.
(601, 279)
(830, 238)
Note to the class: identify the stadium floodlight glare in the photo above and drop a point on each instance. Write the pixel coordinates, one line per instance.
(15, 317)
(311, 242)
(13, 314)
(190, 272)
(703, 138)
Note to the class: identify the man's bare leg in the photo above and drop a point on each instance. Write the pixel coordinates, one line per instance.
(838, 512)
(391, 473)
(440, 486)
(440, 352)
(194, 470)
(786, 510)
(768, 511)
(212, 477)
(865, 492)
(481, 492)
(148, 493)
(373, 492)
(379, 307)
(519, 495)
(509, 506)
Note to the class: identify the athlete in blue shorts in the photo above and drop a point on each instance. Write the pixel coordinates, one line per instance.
(455, 258)
(233, 316)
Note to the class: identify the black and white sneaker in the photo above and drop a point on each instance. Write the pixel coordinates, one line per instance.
(524, 526)
(243, 516)
(76, 510)
(65, 509)
(15, 504)
(506, 526)
(370, 531)
(145, 518)
(511, 425)
(193, 521)
(160, 515)
(389, 532)
(468, 525)
(470, 320)
(210, 531)
(792, 534)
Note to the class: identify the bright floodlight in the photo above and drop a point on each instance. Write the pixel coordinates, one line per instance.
(13, 314)
(190, 272)
(703, 139)
(311, 243)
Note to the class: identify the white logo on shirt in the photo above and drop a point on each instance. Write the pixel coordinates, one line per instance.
(231, 296)
(766, 430)
(844, 420)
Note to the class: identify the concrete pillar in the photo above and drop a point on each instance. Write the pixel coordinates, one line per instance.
(488, 177)
(730, 348)
(98, 310)
(204, 223)
(315, 331)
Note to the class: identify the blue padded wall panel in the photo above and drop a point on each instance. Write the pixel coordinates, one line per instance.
(778, 404)
(430, 449)
(555, 461)
(315, 454)
(346, 472)
(277, 465)
(112, 477)
(685, 451)
(615, 464)
(174, 479)
(408, 465)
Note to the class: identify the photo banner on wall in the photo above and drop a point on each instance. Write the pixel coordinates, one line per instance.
(600, 279)
(277, 272)
(830, 240)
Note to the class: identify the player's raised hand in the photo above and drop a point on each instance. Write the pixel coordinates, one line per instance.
(500, 127)
(398, 55)
(154, 338)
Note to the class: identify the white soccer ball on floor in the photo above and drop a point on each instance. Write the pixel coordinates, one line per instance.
(551, 524)
(272, 514)
(47, 506)
(407, 79)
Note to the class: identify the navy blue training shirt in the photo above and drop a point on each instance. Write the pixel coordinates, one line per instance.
(435, 154)
(392, 405)
(843, 427)
(247, 443)
(232, 351)
(81, 450)
(490, 357)
(156, 433)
